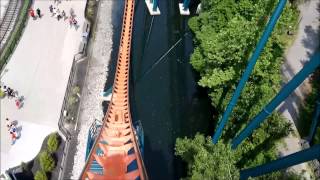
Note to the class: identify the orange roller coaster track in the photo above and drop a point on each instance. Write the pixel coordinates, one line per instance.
(115, 153)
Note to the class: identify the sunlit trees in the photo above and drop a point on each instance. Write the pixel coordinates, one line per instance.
(225, 35)
(205, 160)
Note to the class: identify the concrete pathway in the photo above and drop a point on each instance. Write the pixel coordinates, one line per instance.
(305, 44)
(39, 70)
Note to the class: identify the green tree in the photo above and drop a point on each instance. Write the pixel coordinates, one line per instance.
(317, 136)
(225, 35)
(2, 94)
(47, 163)
(206, 160)
(40, 175)
(53, 142)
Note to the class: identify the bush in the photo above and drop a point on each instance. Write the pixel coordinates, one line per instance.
(91, 9)
(2, 94)
(73, 98)
(40, 175)
(24, 167)
(75, 90)
(47, 163)
(53, 143)
(317, 136)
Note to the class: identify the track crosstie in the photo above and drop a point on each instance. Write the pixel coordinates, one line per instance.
(8, 21)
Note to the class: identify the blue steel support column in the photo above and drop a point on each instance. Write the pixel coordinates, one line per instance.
(308, 68)
(315, 121)
(186, 4)
(282, 163)
(155, 5)
(252, 61)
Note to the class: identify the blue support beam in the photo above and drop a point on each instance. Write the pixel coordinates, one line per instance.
(155, 5)
(186, 4)
(252, 61)
(315, 121)
(282, 163)
(308, 68)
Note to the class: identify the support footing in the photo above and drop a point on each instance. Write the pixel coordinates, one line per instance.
(150, 8)
(182, 11)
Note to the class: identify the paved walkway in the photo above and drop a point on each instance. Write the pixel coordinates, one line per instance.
(304, 46)
(39, 70)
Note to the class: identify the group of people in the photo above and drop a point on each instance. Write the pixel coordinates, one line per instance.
(33, 15)
(12, 129)
(55, 12)
(10, 93)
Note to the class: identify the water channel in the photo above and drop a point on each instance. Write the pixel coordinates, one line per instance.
(163, 90)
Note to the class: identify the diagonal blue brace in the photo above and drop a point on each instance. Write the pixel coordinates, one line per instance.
(315, 121)
(155, 5)
(186, 4)
(308, 68)
(252, 61)
(282, 163)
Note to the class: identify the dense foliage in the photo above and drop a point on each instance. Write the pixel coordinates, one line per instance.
(53, 143)
(40, 175)
(225, 35)
(317, 136)
(307, 110)
(206, 160)
(47, 163)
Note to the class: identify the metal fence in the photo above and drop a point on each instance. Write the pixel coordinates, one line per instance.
(65, 133)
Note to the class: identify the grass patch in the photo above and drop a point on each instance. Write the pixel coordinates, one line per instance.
(15, 34)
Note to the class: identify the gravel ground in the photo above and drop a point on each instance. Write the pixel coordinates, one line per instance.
(101, 52)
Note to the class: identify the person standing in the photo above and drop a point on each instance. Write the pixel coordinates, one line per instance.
(51, 9)
(58, 14)
(64, 15)
(70, 21)
(72, 13)
(8, 124)
(31, 11)
(13, 138)
(5, 89)
(38, 13)
(74, 22)
(54, 11)
(18, 103)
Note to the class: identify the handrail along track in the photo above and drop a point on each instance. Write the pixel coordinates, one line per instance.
(115, 153)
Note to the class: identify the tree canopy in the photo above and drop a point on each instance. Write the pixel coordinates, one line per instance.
(225, 35)
(206, 160)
